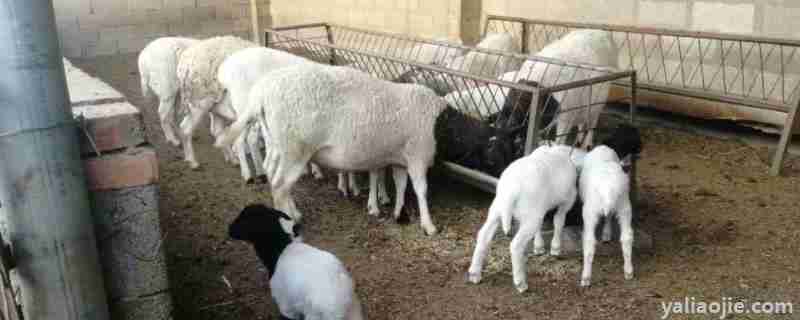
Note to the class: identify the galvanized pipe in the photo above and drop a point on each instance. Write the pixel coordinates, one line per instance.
(43, 193)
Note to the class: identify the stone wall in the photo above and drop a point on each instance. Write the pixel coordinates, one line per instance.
(89, 28)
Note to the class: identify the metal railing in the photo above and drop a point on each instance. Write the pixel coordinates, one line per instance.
(757, 72)
(480, 83)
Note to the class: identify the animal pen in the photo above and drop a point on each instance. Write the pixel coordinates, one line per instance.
(486, 82)
(760, 74)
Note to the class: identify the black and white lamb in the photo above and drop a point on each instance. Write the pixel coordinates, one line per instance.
(305, 282)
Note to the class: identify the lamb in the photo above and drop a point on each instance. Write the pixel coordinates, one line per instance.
(527, 189)
(594, 47)
(305, 282)
(197, 78)
(344, 119)
(158, 63)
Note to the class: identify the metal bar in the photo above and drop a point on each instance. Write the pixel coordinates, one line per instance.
(653, 31)
(783, 143)
(696, 93)
(300, 26)
(524, 46)
(537, 105)
(43, 187)
(472, 177)
(330, 40)
(634, 85)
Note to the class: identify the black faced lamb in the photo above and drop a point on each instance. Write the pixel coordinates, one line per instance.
(305, 282)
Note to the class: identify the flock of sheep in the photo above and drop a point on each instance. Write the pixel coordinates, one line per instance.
(287, 114)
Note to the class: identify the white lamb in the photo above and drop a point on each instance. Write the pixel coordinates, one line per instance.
(595, 47)
(306, 282)
(158, 63)
(344, 119)
(200, 91)
(604, 189)
(529, 188)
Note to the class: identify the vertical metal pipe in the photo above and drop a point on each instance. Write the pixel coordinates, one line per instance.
(43, 194)
(524, 45)
(537, 104)
(329, 34)
(254, 20)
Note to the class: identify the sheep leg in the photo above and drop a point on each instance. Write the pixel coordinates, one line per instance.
(217, 129)
(558, 227)
(626, 237)
(342, 184)
(353, 184)
(400, 183)
(519, 246)
(383, 197)
(255, 151)
(244, 166)
(485, 236)
(372, 202)
(195, 117)
(420, 184)
(282, 187)
(166, 113)
(589, 223)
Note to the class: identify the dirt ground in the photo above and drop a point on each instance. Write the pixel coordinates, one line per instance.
(722, 228)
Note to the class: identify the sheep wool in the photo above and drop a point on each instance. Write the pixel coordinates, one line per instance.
(343, 119)
(197, 78)
(158, 64)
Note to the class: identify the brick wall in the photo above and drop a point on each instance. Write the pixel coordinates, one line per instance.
(90, 28)
(425, 18)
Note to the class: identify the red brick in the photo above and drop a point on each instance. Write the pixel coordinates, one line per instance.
(136, 167)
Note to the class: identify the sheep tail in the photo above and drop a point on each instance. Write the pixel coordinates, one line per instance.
(236, 129)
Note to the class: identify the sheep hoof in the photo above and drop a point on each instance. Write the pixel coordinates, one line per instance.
(474, 277)
(384, 200)
(538, 251)
(174, 142)
(194, 165)
(628, 275)
(586, 282)
(402, 219)
(430, 231)
(262, 179)
(522, 286)
(373, 211)
(555, 252)
(249, 181)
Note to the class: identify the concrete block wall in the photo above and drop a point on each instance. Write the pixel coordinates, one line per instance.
(123, 192)
(89, 28)
(773, 18)
(424, 18)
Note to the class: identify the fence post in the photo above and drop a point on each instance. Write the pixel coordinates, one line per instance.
(785, 141)
(524, 45)
(537, 103)
(329, 33)
(43, 190)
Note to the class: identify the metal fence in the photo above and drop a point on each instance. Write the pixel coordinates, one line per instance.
(491, 87)
(757, 72)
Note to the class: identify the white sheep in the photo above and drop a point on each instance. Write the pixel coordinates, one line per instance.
(594, 47)
(197, 78)
(305, 282)
(237, 74)
(526, 191)
(158, 63)
(473, 62)
(604, 190)
(347, 120)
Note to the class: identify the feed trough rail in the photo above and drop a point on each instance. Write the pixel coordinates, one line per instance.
(754, 72)
(479, 85)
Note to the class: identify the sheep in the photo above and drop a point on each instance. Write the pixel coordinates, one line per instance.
(345, 119)
(305, 282)
(603, 188)
(197, 78)
(157, 63)
(237, 74)
(473, 62)
(595, 47)
(526, 190)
